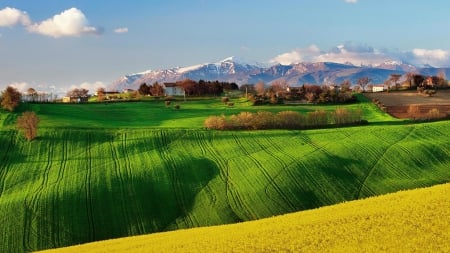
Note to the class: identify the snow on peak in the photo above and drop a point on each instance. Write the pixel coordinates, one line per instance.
(392, 62)
(234, 59)
(190, 68)
(141, 73)
(241, 61)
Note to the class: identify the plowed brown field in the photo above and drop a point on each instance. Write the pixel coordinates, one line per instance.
(397, 103)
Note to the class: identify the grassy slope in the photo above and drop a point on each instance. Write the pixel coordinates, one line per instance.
(412, 221)
(73, 186)
(155, 114)
(76, 186)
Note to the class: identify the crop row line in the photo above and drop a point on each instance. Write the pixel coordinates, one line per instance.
(89, 211)
(372, 169)
(4, 162)
(170, 165)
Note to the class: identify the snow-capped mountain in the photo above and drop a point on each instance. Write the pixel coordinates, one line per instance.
(231, 69)
(236, 70)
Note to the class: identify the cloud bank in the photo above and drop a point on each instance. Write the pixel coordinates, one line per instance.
(69, 23)
(361, 54)
(351, 1)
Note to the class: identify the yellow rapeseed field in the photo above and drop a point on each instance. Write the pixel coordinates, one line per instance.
(409, 221)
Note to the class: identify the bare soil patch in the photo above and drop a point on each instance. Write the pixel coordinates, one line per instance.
(397, 103)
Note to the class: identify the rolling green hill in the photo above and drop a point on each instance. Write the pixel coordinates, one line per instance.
(411, 221)
(101, 171)
(76, 186)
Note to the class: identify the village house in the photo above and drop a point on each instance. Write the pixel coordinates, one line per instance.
(128, 90)
(75, 99)
(378, 88)
(173, 89)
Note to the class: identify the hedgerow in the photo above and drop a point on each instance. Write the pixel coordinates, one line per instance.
(284, 120)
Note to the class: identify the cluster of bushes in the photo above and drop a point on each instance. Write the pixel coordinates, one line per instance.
(168, 101)
(226, 100)
(284, 120)
(379, 104)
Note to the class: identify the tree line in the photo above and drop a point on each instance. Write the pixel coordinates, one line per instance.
(190, 87)
(279, 91)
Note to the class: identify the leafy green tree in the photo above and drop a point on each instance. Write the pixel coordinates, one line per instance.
(28, 123)
(10, 98)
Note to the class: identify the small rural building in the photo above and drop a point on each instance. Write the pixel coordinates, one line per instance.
(173, 89)
(128, 90)
(66, 99)
(75, 99)
(378, 88)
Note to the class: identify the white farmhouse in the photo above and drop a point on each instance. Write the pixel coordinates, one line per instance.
(378, 88)
(173, 89)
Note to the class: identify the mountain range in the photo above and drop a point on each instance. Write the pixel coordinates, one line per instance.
(233, 69)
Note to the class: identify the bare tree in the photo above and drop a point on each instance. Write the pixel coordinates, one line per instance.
(10, 98)
(32, 94)
(101, 94)
(260, 88)
(393, 78)
(410, 79)
(279, 86)
(28, 123)
(188, 85)
(144, 89)
(157, 89)
(81, 94)
(441, 79)
(363, 81)
(345, 85)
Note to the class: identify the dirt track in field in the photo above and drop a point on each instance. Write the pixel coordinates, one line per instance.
(397, 103)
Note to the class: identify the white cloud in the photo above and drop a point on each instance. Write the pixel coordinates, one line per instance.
(20, 86)
(435, 54)
(351, 1)
(121, 30)
(349, 52)
(11, 16)
(91, 87)
(433, 57)
(361, 54)
(298, 55)
(71, 22)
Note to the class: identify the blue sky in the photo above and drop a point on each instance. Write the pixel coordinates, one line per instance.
(92, 43)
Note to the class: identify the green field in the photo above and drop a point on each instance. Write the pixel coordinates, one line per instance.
(106, 171)
(155, 114)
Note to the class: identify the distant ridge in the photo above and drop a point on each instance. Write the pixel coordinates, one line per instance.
(234, 69)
